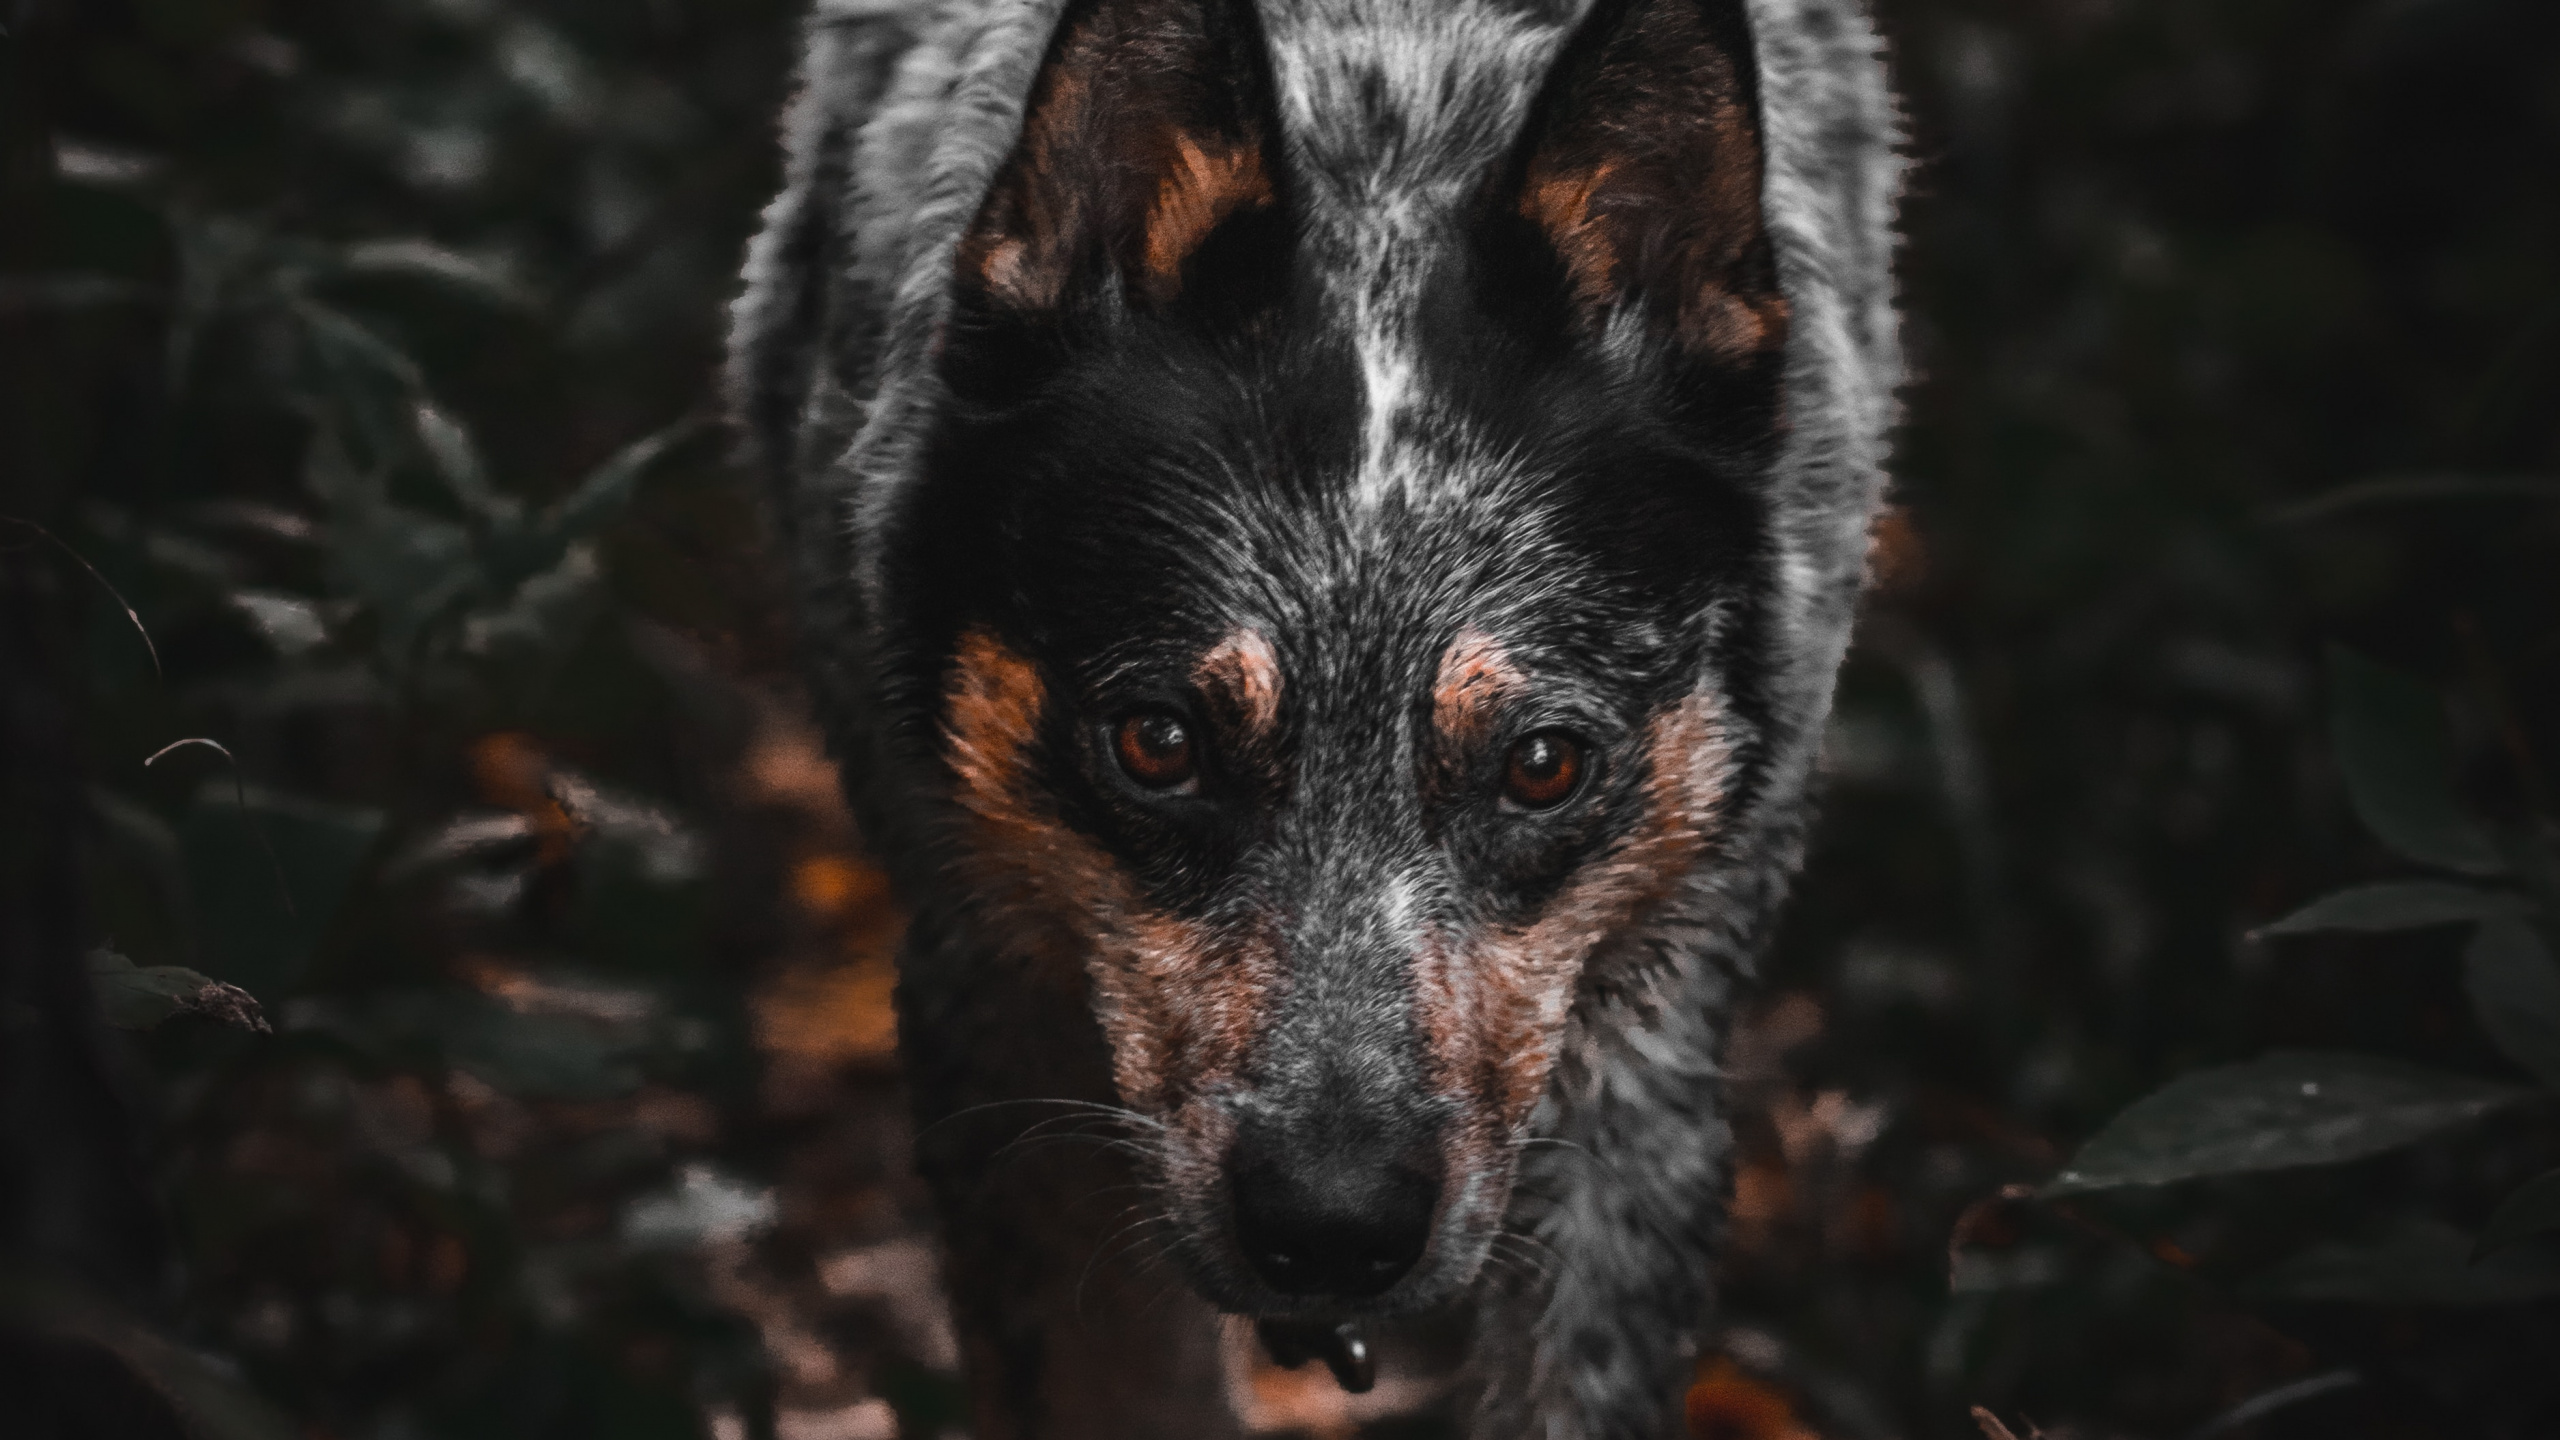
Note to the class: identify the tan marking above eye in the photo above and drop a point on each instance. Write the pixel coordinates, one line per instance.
(1476, 676)
(1240, 680)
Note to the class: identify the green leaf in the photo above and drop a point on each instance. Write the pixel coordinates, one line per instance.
(456, 461)
(71, 290)
(608, 488)
(342, 342)
(2020, 1267)
(135, 997)
(410, 567)
(2421, 1262)
(2283, 1110)
(268, 877)
(545, 615)
(2421, 489)
(2515, 989)
(292, 624)
(2397, 756)
(361, 385)
(210, 1396)
(414, 259)
(593, 1051)
(2532, 1209)
(516, 554)
(2397, 905)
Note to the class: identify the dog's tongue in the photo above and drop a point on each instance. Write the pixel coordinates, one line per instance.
(1343, 1347)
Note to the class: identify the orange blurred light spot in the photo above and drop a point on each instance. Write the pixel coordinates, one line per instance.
(1896, 558)
(396, 1253)
(448, 1264)
(787, 764)
(839, 1015)
(830, 887)
(2170, 1252)
(510, 770)
(1729, 1403)
(1875, 1230)
(1761, 1193)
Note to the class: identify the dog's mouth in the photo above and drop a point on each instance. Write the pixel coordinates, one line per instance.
(1342, 1345)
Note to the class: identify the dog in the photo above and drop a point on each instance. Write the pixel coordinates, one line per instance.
(1324, 532)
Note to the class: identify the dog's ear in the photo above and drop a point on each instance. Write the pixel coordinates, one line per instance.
(1149, 128)
(1640, 169)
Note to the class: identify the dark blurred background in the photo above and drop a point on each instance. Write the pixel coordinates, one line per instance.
(357, 424)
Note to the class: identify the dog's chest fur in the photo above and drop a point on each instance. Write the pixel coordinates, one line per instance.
(1390, 116)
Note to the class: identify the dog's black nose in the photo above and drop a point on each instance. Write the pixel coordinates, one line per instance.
(1332, 1219)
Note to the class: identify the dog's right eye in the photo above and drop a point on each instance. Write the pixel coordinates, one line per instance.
(1542, 771)
(1156, 750)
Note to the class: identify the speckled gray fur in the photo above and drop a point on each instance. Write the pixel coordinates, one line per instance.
(904, 113)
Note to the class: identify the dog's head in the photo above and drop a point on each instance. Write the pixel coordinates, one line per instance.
(1335, 581)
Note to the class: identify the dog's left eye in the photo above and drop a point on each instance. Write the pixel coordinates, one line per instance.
(1156, 750)
(1543, 770)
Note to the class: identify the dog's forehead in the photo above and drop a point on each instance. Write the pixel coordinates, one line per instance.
(1188, 501)
(1398, 109)
(1399, 96)
(1339, 608)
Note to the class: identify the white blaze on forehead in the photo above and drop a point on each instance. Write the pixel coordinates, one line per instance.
(1399, 107)
(1387, 387)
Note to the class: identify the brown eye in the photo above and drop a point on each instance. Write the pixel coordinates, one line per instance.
(1542, 770)
(1156, 750)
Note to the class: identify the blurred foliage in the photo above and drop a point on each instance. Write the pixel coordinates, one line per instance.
(365, 349)
(2236, 327)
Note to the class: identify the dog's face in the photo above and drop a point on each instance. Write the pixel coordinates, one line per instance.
(1328, 658)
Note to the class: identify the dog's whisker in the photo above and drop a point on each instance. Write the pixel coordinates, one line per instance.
(1166, 1290)
(1039, 1136)
(1023, 1149)
(1534, 1259)
(1095, 1109)
(1504, 1266)
(1136, 1230)
(1573, 1148)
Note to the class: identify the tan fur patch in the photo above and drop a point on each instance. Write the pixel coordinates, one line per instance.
(1207, 184)
(1241, 679)
(1180, 1001)
(1492, 1005)
(1652, 188)
(1476, 676)
(1559, 203)
(1022, 246)
(1124, 153)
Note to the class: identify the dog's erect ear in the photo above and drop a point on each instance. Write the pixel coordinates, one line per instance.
(1149, 128)
(1641, 167)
